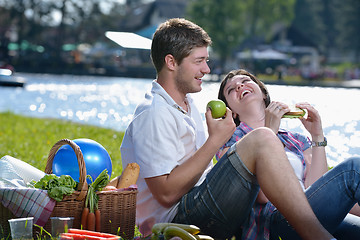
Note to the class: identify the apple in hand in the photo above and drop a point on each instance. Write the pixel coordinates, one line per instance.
(217, 107)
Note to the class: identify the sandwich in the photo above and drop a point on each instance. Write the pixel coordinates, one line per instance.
(295, 112)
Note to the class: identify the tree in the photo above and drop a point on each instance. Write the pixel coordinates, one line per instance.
(229, 23)
(53, 23)
(347, 24)
(329, 31)
(330, 24)
(314, 20)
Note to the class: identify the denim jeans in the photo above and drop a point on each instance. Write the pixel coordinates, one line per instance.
(331, 198)
(222, 203)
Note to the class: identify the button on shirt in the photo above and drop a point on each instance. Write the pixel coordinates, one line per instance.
(160, 137)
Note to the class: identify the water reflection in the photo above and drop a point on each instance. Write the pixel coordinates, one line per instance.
(110, 102)
(107, 102)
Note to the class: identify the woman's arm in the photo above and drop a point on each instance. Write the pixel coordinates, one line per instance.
(316, 164)
(355, 210)
(222, 152)
(261, 198)
(315, 157)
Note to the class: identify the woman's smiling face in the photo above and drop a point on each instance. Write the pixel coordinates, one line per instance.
(240, 90)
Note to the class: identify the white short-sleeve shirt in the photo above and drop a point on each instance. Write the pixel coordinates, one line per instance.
(297, 165)
(160, 137)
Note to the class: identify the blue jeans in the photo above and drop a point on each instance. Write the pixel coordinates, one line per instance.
(222, 203)
(331, 198)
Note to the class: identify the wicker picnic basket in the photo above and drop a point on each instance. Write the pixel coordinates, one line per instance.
(118, 208)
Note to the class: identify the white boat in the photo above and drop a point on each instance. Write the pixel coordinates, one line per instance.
(7, 79)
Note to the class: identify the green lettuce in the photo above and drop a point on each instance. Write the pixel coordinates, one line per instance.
(56, 186)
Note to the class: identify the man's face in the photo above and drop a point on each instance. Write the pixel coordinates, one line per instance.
(191, 70)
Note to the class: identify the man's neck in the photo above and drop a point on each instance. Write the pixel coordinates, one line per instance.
(170, 87)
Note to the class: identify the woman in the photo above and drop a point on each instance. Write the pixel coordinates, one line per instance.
(331, 194)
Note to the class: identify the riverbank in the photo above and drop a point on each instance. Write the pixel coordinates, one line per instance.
(30, 139)
(109, 102)
(296, 81)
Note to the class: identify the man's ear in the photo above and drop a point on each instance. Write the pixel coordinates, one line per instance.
(170, 62)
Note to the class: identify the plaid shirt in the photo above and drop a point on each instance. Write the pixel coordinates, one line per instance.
(258, 224)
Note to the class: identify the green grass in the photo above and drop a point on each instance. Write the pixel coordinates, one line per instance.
(30, 139)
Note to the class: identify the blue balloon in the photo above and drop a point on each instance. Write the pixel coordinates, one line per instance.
(95, 156)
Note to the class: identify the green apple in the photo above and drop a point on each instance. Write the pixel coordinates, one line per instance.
(217, 107)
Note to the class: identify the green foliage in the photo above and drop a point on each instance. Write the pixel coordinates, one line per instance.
(329, 24)
(310, 21)
(222, 20)
(30, 139)
(57, 186)
(98, 184)
(229, 23)
(341, 68)
(347, 23)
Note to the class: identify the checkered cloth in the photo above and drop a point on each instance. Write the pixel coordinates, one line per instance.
(18, 198)
(25, 202)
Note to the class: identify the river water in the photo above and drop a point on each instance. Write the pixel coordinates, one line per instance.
(110, 101)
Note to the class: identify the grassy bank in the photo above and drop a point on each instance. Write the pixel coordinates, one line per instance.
(30, 139)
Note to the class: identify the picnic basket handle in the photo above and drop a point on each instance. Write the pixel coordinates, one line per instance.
(82, 186)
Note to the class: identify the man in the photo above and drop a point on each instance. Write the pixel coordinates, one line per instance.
(178, 182)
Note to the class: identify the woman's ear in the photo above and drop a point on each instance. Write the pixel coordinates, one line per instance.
(234, 115)
(267, 100)
(236, 118)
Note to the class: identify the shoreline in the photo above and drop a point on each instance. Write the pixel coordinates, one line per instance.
(354, 83)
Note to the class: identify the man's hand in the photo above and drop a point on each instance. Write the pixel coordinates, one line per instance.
(220, 130)
(168, 189)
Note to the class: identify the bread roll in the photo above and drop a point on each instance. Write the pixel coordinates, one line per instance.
(129, 175)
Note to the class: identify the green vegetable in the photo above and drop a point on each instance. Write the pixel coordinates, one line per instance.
(56, 186)
(100, 182)
(91, 199)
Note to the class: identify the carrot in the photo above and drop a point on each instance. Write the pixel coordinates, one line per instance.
(129, 176)
(97, 220)
(75, 236)
(92, 233)
(84, 216)
(89, 237)
(91, 221)
(66, 236)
